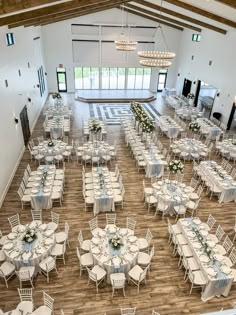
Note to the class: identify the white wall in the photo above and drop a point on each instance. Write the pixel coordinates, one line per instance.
(221, 74)
(58, 37)
(14, 97)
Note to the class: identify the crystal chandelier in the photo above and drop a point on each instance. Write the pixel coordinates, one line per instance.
(157, 58)
(124, 43)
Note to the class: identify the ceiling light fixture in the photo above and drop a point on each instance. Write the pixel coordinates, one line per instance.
(158, 58)
(124, 43)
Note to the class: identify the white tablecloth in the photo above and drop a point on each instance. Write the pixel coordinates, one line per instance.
(172, 192)
(112, 260)
(41, 192)
(211, 170)
(93, 136)
(209, 128)
(192, 147)
(216, 285)
(169, 126)
(187, 112)
(228, 145)
(20, 253)
(154, 162)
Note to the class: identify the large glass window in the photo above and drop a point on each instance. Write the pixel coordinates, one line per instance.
(112, 78)
(86, 78)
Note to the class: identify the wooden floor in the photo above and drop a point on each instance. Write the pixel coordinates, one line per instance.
(165, 290)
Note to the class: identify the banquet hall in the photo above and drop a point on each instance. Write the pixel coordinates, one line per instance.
(118, 174)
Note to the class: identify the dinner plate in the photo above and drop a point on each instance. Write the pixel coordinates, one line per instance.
(185, 222)
(42, 227)
(102, 233)
(36, 184)
(191, 234)
(211, 272)
(95, 240)
(109, 193)
(48, 241)
(123, 232)
(132, 239)
(204, 258)
(46, 190)
(95, 250)
(211, 244)
(225, 269)
(204, 233)
(39, 251)
(8, 246)
(40, 168)
(112, 229)
(37, 178)
(133, 248)
(12, 236)
(48, 233)
(197, 221)
(197, 245)
(39, 172)
(218, 257)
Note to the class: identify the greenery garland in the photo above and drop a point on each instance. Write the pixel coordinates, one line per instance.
(145, 123)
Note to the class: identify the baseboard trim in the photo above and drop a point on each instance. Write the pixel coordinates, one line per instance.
(11, 177)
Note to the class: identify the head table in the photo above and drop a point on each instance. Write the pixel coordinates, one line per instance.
(20, 253)
(111, 259)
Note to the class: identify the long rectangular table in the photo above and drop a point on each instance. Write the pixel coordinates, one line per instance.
(219, 284)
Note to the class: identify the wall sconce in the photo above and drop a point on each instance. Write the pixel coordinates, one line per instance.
(218, 94)
(16, 120)
(29, 99)
(194, 82)
(178, 74)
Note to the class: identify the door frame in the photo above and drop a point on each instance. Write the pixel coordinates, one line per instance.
(165, 74)
(61, 72)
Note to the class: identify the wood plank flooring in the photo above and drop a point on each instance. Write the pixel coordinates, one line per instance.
(165, 291)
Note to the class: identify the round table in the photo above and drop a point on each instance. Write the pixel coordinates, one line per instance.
(58, 146)
(189, 148)
(96, 148)
(20, 253)
(172, 192)
(111, 259)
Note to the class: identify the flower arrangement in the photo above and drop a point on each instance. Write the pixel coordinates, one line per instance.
(190, 96)
(95, 127)
(44, 177)
(56, 95)
(146, 124)
(175, 166)
(116, 242)
(50, 143)
(29, 236)
(194, 127)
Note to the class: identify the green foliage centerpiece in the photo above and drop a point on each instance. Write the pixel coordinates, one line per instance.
(56, 95)
(145, 123)
(116, 242)
(194, 127)
(175, 166)
(50, 143)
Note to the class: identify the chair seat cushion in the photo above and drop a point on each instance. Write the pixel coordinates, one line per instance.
(31, 270)
(221, 249)
(26, 306)
(43, 263)
(194, 196)
(43, 310)
(58, 250)
(135, 272)
(52, 226)
(87, 260)
(151, 199)
(190, 205)
(101, 273)
(118, 198)
(3, 240)
(142, 244)
(2, 256)
(228, 262)
(26, 198)
(117, 276)
(143, 259)
(7, 268)
(86, 245)
(199, 278)
(60, 237)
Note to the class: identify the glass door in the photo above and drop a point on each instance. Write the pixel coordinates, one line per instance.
(161, 80)
(61, 80)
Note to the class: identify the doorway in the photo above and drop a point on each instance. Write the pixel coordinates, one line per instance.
(161, 80)
(186, 87)
(61, 80)
(25, 125)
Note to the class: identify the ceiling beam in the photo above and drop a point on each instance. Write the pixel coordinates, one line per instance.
(76, 13)
(153, 19)
(12, 6)
(53, 9)
(162, 17)
(230, 3)
(204, 13)
(181, 16)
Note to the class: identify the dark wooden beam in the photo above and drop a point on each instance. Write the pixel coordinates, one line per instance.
(207, 14)
(231, 3)
(153, 19)
(53, 9)
(181, 16)
(7, 6)
(52, 18)
(162, 17)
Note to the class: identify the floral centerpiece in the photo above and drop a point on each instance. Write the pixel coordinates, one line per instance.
(194, 127)
(190, 96)
(175, 166)
(29, 236)
(95, 127)
(44, 177)
(56, 95)
(50, 143)
(116, 242)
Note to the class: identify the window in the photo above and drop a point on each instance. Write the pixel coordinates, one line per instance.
(10, 39)
(161, 80)
(86, 78)
(196, 37)
(112, 78)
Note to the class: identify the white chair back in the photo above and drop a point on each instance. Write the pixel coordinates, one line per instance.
(48, 300)
(55, 217)
(227, 244)
(25, 294)
(111, 218)
(211, 221)
(130, 224)
(219, 233)
(93, 224)
(36, 215)
(14, 220)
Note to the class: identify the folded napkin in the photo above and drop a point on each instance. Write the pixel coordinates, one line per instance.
(26, 257)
